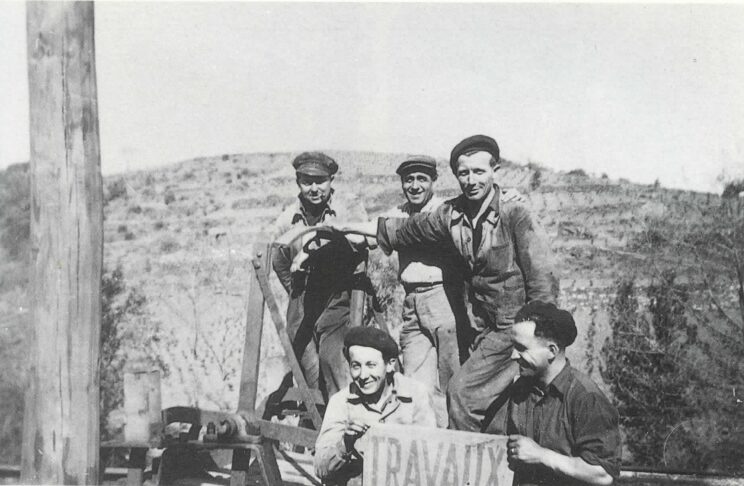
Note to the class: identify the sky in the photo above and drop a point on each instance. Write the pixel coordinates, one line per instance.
(643, 92)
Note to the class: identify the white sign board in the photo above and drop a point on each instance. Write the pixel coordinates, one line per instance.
(399, 455)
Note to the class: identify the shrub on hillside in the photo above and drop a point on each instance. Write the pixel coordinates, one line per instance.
(169, 197)
(115, 190)
(733, 189)
(577, 173)
(535, 180)
(674, 365)
(15, 210)
(169, 245)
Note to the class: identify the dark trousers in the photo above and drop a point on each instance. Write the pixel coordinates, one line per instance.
(481, 380)
(317, 323)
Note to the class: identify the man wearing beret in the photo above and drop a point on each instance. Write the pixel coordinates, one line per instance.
(433, 305)
(377, 394)
(318, 283)
(562, 429)
(507, 262)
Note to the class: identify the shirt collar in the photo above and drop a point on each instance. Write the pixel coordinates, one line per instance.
(559, 386)
(301, 213)
(400, 391)
(562, 381)
(491, 213)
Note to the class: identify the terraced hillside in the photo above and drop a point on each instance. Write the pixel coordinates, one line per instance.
(185, 234)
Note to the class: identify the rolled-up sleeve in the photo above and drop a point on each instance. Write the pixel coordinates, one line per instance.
(534, 256)
(597, 433)
(418, 229)
(281, 261)
(329, 447)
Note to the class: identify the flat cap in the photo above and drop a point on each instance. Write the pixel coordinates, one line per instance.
(475, 143)
(315, 164)
(418, 163)
(371, 337)
(550, 321)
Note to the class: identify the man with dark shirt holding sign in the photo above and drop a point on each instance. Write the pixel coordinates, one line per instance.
(562, 429)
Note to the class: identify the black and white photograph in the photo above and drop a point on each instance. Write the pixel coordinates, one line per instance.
(371, 244)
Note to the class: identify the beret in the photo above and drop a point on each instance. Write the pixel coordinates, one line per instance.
(550, 321)
(371, 337)
(315, 164)
(475, 143)
(418, 163)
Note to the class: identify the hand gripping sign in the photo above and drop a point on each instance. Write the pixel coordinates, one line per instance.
(398, 455)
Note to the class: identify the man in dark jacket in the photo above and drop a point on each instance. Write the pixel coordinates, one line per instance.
(507, 262)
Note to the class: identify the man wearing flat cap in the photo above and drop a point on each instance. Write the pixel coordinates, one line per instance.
(377, 394)
(507, 262)
(432, 307)
(562, 429)
(319, 282)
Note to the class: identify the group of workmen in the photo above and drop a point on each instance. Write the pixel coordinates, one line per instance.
(482, 343)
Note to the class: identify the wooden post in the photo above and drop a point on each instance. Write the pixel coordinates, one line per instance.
(61, 429)
(251, 359)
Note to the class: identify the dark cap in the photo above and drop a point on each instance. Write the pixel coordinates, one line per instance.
(550, 322)
(315, 164)
(418, 163)
(475, 143)
(371, 337)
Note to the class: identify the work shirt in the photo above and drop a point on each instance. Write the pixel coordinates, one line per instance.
(330, 268)
(410, 403)
(511, 265)
(570, 416)
(422, 265)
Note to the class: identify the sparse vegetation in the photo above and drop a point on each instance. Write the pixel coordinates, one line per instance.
(733, 189)
(578, 173)
(535, 179)
(15, 207)
(674, 364)
(115, 190)
(169, 197)
(168, 245)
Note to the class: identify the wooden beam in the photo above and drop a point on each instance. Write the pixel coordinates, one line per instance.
(61, 424)
(253, 332)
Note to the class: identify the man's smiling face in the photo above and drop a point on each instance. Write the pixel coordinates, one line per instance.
(368, 368)
(417, 187)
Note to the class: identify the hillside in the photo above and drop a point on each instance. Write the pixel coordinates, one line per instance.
(184, 235)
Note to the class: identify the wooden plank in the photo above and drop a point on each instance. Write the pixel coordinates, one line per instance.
(397, 454)
(287, 433)
(251, 357)
(294, 365)
(61, 425)
(253, 332)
